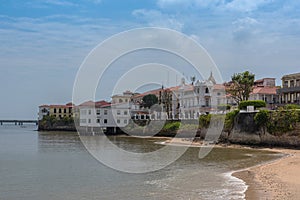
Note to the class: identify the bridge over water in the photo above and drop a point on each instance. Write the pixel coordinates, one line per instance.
(18, 122)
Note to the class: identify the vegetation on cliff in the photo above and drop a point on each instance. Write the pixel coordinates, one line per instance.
(278, 122)
(53, 123)
(255, 103)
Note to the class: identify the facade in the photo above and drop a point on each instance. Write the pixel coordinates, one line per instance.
(121, 107)
(192, 100)
(266, 90)
(289, 93)
(263, 89)
(164, 96)
(105, 114)
(96, 114)
(59, 111)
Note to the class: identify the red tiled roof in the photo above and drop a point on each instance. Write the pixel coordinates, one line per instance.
(44, 106)
(95, 104)
(88, 103)
(264, 90)
(156, 91)
(68, 105)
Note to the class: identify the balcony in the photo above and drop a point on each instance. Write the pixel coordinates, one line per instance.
(288, 90)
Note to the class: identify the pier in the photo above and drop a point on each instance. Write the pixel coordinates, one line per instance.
(18, 122)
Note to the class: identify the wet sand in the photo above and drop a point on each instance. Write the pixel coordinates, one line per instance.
(278, 179)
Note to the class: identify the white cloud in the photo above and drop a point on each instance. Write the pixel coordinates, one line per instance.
(158, 19)
(60, 2)
(245, 28)
(246, 5)
(237, 5)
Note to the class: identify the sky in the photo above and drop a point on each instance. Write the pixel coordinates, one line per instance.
(44, 42)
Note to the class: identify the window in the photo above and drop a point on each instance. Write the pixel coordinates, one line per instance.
(207, 102)
(82, 112)
(98, 121)
(218, 93)
(54, 110)
(70, 110)
(90, 112)
(125, 121)
(98, 111)
(118, 121)
(105, 121)
(118, 112)
(125, 112)
(120, 101)
(90, 121)
(206, 90)
(65, 110)
(59, 110)
(82, 120)
(105, 112)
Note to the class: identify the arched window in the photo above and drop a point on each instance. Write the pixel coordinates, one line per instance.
(206, 90)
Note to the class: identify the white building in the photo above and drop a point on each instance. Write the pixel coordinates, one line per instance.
(189, 101)
(104, 114)
(96, 114)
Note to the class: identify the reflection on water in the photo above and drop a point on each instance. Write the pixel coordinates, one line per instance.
(40, 165)
(59, 141)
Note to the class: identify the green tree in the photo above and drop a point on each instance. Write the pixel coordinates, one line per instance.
(149, 100)
(241, 86)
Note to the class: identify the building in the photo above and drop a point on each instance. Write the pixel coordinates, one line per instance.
(263, 89)
(96, 114)
(266, 90)
(289, 93)
(192, 100)
(164, 96)
(59, 111)
(121, 106)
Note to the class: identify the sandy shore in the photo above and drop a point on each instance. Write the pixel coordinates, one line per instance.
(279, 179)
(276, 180)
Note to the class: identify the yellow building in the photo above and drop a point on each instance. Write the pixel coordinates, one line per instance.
(59, 111)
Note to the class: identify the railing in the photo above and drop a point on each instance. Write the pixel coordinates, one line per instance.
(18, 122)
(288, 89)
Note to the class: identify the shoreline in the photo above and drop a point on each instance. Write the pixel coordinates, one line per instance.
(278, 179)
(275, 179)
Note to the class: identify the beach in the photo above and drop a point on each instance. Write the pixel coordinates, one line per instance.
(278, 179)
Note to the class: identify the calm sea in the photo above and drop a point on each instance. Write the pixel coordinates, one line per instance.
(54, 166)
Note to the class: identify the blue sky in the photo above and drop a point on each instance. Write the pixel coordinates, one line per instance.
(43, 42)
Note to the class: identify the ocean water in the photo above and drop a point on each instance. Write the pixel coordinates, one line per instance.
(55, 165)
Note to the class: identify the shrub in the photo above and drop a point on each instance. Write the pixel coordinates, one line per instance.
(292, 106)
(282, 121)
(204, 121)
(172, 126)
(224, 107)
(229, 120)
(262, 119)
(255, 103)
